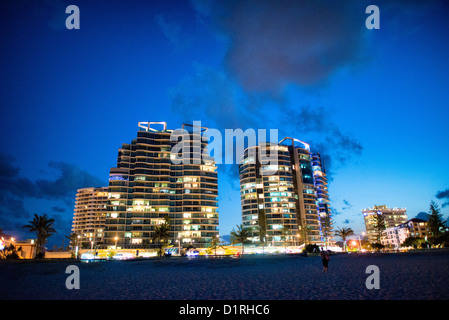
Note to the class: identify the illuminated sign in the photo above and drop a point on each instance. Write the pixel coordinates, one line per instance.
(147, 125)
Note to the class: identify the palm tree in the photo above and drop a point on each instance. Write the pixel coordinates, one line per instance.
(43, 226)
(239, 236)
(343, 233)
(162, 233)
(215, 243)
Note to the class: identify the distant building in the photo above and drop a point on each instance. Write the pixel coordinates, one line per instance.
(393, 218)
(395, 236)
(28, 247)
(89, 216)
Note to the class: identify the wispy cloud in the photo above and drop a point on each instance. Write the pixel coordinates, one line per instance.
(172, 31)
(347, 205)
(443, 195)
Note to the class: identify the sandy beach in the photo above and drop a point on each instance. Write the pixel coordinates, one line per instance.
(403, 276)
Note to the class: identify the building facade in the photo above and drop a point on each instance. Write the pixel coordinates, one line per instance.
(394, 237)
(415, 227)
(391, 238)
(147, 187)
(89, 216)
(322, 192)
(392, 217)
(280, 202)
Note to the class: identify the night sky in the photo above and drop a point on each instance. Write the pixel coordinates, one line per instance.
(374, 103)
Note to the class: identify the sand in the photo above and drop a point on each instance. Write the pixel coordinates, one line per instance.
(416, 276)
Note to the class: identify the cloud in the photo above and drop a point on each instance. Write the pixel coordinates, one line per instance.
(443, 195)
(422, 215)
(172, 31)
(315, 126)
(6, 169)
(57, 209)
(70, 178)
(212, 96)
(335, 212)
(347, 205)
(274, 43)
(304, 42)
(16, 190)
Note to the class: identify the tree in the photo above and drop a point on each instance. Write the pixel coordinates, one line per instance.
(43, 226)
(284, 234)
(215, 243)
(377, 246)
(327, 228)
(435, 221)
(344, 233)
(73, 242)
(379, 226)
(162, 233)
(303, 234)
(239, 236)
(262, 227)
(414, 242)
(10, 252)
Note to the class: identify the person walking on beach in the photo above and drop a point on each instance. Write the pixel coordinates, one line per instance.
(325, 258)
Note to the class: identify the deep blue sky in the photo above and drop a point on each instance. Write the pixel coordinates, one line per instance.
(375, 103)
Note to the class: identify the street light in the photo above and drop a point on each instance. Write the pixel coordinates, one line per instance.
(116, 238)
(360, 241)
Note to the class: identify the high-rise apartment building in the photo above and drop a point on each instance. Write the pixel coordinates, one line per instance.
(281, 207)
(147, 187)
(89, 216)
(320, 179)
(392, 217)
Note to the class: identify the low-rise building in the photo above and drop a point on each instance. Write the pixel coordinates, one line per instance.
(415, 227)
(27, 248)
(394, 237)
